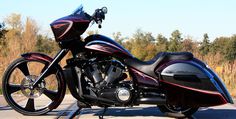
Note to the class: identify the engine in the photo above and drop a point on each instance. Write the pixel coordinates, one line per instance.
(106, 72)
(108, 78)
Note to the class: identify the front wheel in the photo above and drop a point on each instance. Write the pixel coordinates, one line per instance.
(18, 88)
(177, 111)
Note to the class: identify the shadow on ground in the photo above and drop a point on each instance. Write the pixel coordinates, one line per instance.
(4, 108)
(216, 114)
(51, 113)
(207, 113)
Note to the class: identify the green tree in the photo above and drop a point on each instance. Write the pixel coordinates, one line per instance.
(219, 45)
(3, 41)
(175, 41)
(128, 45)
(230, 50)
(45, 44)
(92, 32)
(151, 51)
(3, 31)
(140, 41)
(205, 45)
(188, 45)
(29, 35)
(14, 35)
(148, 37)
(161, 43)
(118, 37)
(14, 21)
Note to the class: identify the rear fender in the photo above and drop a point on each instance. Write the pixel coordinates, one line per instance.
(219, 84)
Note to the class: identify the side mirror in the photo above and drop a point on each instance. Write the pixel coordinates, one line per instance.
(104, 10)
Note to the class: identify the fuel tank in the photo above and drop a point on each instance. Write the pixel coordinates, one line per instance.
(105, 45)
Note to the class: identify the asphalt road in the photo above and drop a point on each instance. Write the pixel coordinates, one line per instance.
(63, 110)
(68, 107)
(151, 112)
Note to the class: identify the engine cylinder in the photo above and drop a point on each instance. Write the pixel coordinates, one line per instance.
(113, 73)
(95, 73)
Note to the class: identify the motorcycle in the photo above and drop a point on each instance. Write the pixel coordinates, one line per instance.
(100, 72)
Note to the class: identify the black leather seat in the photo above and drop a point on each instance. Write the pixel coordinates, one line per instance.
(148, 67)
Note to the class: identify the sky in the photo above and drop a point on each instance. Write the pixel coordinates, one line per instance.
(192, 17)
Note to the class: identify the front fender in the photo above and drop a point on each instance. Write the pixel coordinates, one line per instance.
(37, 56)
(41, 57)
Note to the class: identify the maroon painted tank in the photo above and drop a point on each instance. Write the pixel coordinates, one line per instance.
(106, 45)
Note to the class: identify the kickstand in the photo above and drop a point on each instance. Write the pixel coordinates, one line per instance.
(103, 113)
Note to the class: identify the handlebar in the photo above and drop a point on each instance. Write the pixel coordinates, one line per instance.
(99, 15)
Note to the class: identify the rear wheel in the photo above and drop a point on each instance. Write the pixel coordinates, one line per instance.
(177, 111)
(18, 88)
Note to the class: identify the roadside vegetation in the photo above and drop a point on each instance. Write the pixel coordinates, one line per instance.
(17, 37)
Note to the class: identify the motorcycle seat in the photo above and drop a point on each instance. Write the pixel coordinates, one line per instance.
(148, 67)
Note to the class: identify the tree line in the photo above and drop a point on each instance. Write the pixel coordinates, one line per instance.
(17, 36)
(144, 45)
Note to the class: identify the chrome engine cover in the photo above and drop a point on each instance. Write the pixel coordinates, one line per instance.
(123, 94)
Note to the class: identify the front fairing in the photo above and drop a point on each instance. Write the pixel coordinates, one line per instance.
(71, 26)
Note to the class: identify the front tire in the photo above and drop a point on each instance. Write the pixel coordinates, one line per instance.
(17, 83)
(177, 111)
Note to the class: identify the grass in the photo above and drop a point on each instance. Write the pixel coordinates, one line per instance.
(0, 90)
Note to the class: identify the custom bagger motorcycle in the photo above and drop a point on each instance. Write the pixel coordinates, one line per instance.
(100, 72)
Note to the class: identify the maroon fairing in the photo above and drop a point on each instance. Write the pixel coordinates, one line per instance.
(69, 27)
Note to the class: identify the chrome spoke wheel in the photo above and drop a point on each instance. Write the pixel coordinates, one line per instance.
(20, 94)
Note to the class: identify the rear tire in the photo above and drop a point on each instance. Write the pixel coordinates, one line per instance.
(177, 111)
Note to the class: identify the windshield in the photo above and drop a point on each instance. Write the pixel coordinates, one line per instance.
(78, 10)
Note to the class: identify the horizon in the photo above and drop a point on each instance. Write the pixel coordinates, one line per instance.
(191, 18)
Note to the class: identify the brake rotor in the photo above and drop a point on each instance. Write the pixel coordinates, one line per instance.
(27, 87)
